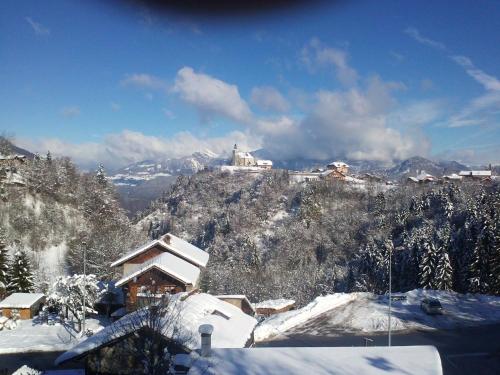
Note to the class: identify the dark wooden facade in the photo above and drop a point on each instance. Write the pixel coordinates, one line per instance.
(154, 281)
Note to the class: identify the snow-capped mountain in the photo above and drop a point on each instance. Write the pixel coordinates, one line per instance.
(146, 170)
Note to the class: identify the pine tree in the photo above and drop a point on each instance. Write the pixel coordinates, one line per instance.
(427, 265)
(20, 276)
(444, 272)
(4, 261)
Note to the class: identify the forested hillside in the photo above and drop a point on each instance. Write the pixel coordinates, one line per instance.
(51, 212)
(268, 238)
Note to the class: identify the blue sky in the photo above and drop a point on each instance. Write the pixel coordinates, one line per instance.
(380, 80)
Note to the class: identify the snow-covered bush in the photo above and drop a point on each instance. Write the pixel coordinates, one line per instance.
(67, 294)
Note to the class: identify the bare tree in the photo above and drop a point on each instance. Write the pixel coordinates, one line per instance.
(147, 339)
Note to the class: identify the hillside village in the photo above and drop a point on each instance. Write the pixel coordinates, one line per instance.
(196, 277)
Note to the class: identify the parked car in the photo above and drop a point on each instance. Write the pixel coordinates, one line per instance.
(431, 306)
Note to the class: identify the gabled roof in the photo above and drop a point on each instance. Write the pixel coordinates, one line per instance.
(21, 300)
(168, 263)
(232, 327)
(173, 244)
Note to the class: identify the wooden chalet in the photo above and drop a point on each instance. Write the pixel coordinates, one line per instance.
(166, 265)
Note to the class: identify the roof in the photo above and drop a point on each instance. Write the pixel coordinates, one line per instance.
(276, 304)
(232, 327)
(475, 173)
(245, 155)
(168, 263)
(21, 300)
(264, 162)
(176, 245)
(425, 176)
(236, 296)
(396, 360)
(453, 176)
(338, 164)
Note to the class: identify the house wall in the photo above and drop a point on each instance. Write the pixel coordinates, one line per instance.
(24, 313)
(268, 311)
(154, 280)
(336, 174)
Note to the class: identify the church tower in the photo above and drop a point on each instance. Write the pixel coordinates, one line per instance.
(235, 150)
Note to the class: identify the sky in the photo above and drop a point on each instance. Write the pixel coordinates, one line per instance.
(122, 82)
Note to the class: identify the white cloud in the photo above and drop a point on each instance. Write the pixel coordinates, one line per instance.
(269, 99)
(489, 82)
(354, 123)
(118, 149)
(415, 34)
(144, 81)
(38, 28)
(315, 55)
(115, 107)
(211, 96)
(70, 112)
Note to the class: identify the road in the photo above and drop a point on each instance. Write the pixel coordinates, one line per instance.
(464, 351)
(38, 360)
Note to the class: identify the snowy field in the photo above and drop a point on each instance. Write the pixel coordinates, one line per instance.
(31, 336)
(365, 312)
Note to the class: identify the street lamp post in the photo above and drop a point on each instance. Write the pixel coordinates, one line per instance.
(84, 284)
(390, 289)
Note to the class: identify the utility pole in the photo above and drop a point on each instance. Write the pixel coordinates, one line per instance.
(389, 246)
(84, 284)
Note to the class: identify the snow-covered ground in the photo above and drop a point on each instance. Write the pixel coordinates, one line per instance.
(31, 336)
(366, 312)
(279, 323)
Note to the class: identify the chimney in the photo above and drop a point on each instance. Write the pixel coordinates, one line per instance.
(206, 339)
(166, 239)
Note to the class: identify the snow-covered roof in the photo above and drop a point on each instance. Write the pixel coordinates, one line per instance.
(396, 360)
(12, 157)
(169, 263)
(264, 162)
(21, 300)
(453, 176)
(475, 173)
(236, 296)
(425, 176)
(276, 304)
(232, 327)
(414, 179)
(174, 244)
(245, 155)
(338, 164)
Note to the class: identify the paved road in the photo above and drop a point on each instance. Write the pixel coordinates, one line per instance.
(38, 360)
(464, 351)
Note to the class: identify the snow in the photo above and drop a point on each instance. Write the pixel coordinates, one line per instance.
(26, 370)
(32, 336)
(475, 173)
(21, 300)
(398, 360)
(338, 164)
(264, 163)
(168, 263)
(236, 168)
(276, 304)
(232, 327)
(279, 323)
(176, 245)
(366, 312)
